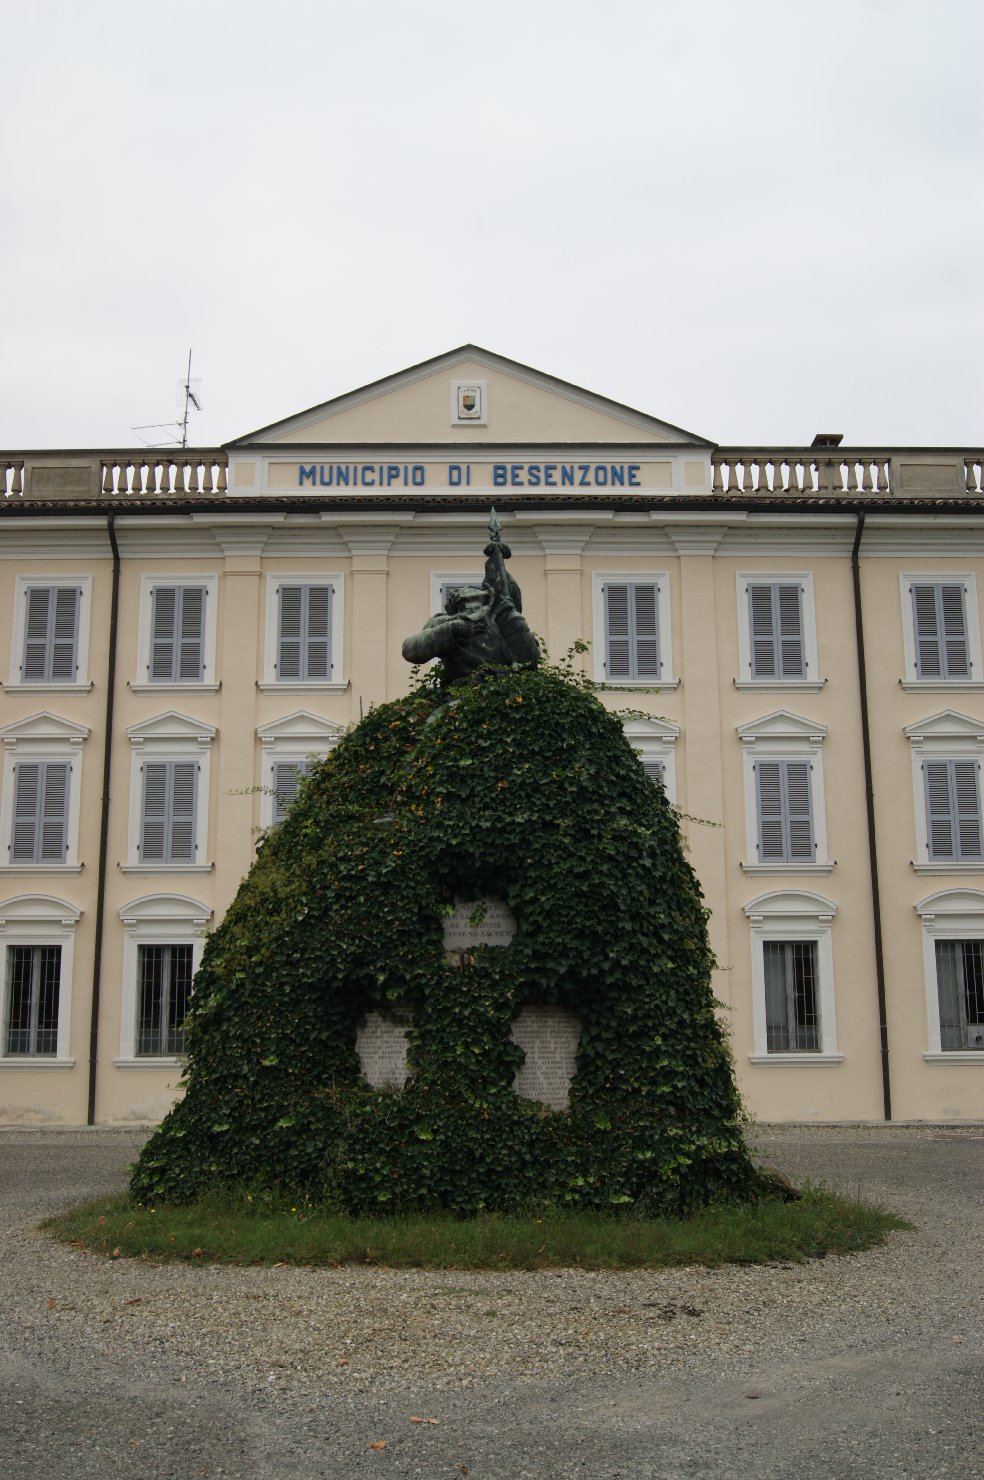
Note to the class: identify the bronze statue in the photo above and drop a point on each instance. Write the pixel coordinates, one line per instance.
(481, 625)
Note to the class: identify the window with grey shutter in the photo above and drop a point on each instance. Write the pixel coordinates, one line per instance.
(960, 986)
(785, 812)
(953, 811)
(40, 830)
(168, 817)
(51, 634)
(939, 616)
(653, 767)
(792, 1011)
(775, 617)
(177, 639)
(632, 630)
(31, 1005)
(304, 637)
(286, 783)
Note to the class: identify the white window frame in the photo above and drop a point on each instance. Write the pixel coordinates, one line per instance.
(296, 738)
(154, 920)
(337, 684)
(789, 737)
(81, 684)
(655, 740)
(788, 915)
(910, 682)
(439, 578)
(141, 683)
(169, 736)
(813, 682)
(40, 920)
(659, 578)
(42, 737)
(951, 914)
(944, 736)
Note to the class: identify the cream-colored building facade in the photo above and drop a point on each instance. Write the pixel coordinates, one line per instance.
(793, 637)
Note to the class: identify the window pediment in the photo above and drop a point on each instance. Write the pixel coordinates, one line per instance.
(44, 726)
(783, 725)
(950, 902)
(151, 909)
(303, 728)
(641, 728)
(172, 726)
(789, 904)
(38, 908)
(948, 724)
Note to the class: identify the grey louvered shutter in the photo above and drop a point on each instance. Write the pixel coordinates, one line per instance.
(191, 634)
(789, 611)
(632, 630)
(762, 632)
(967, 808)
(785, 812)
(153, 819)
(51, 634)
(27, 794)
(286, 782)
(799, 811)
(646, 620)
(940, 629)
(40, 833)
(768, 786)
(953, 810)
(653, 768)
(181, 818)
(940, 832)
(163, 633)
(775, 615)
(289, 639)
(953, 625)
(618, 662)
(317, 657)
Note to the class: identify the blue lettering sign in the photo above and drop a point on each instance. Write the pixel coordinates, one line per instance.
(533, 475)
(454, 475)
(342, 476)
(567, 474)
(549, 475)
(305, 475)
(634, 475)
(499, 474)
(418, 475)
(618, 475)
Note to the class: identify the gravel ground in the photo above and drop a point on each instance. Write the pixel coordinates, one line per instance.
(866, 1365)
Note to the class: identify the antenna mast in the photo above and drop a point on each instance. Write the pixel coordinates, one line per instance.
(190, 400)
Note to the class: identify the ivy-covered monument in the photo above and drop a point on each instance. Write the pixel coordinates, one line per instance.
(470, 969)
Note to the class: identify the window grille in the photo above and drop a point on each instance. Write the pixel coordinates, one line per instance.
(33, 981)
(792, 1010)
(960, 984)
(164, 988)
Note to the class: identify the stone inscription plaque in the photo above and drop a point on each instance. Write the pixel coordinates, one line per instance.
(381, 1045)
(494, 924)
(549, 1037)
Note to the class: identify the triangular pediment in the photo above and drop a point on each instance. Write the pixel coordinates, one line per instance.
(782, 724)
(172, 726)
(301, 727)
(515, 405)
(948, 724)
(44, 726)
(640, 727)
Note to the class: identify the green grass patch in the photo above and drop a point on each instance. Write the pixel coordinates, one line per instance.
(247, 1230)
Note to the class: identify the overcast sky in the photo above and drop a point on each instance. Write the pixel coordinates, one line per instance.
(756, 219)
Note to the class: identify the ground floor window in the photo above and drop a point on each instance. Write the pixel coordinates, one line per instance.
(792, 1007)
(165, 975)
(33, 989)
(960, 985)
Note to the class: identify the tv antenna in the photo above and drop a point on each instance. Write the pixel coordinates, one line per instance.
(189, 396)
